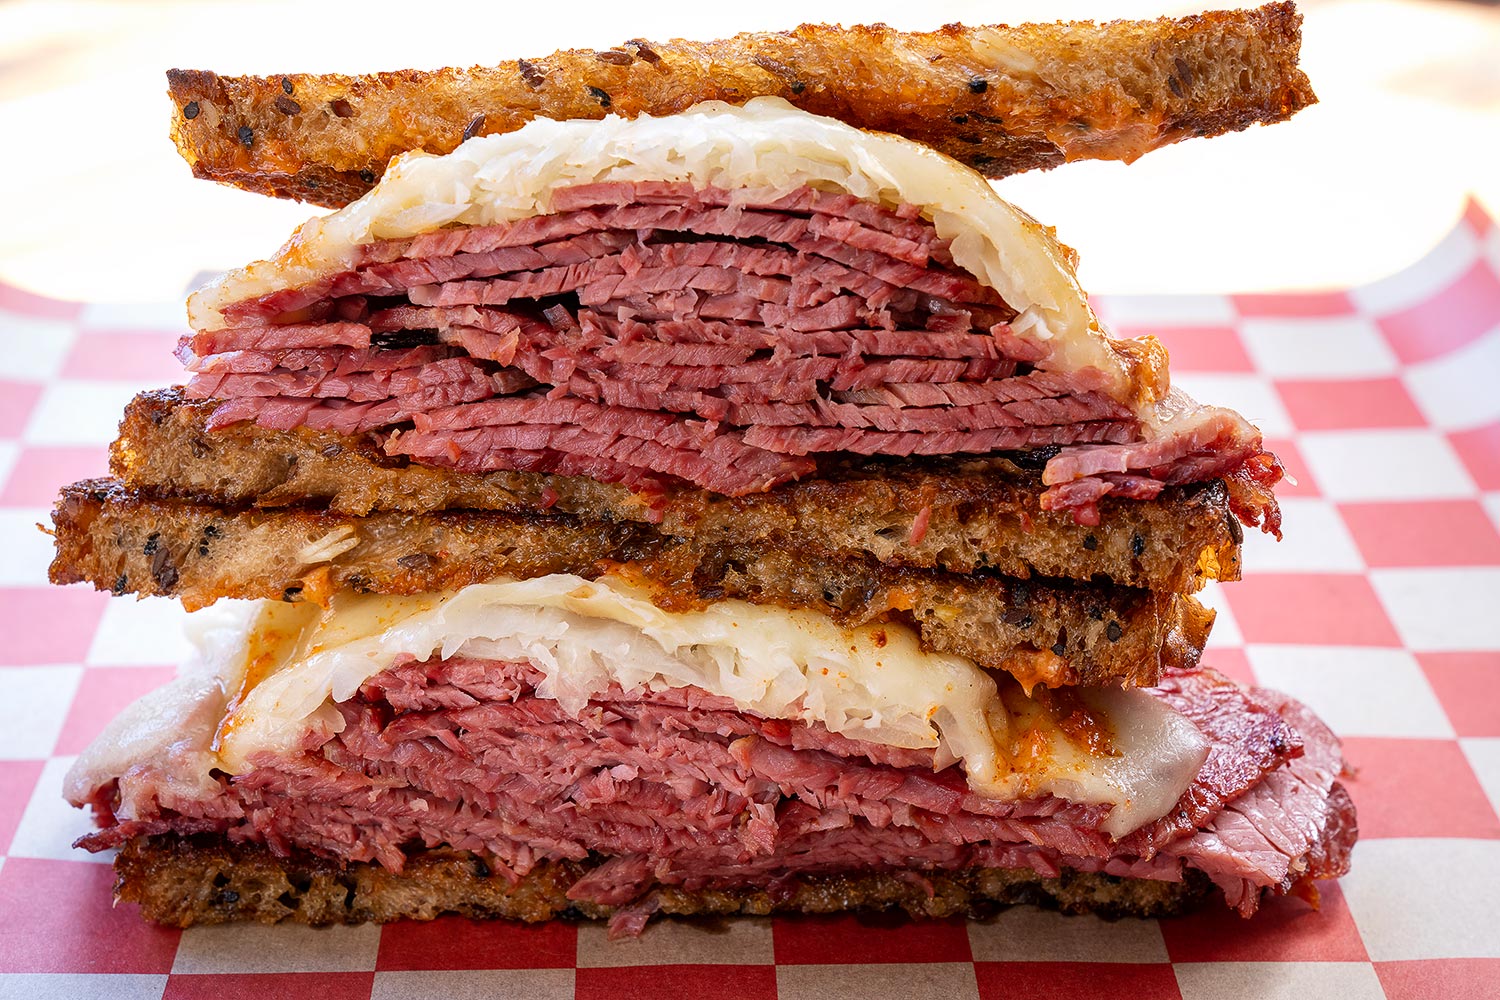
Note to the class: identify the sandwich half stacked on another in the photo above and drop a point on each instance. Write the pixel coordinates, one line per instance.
(722, 511)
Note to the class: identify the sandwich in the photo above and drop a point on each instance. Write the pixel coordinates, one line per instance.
(729, 510)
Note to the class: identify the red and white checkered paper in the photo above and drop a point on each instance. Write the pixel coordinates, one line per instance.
(1381, 609)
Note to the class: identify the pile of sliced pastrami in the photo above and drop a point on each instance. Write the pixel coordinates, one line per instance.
(649, 333)
(678, 788)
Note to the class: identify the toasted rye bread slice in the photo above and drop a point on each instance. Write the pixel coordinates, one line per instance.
(1052, 633)
(181, 882)
(980, 514)
(1001, 99)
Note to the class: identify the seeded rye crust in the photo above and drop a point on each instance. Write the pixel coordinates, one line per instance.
(206, 880)
(1055, 632)
(1001, 99)
(983, 514)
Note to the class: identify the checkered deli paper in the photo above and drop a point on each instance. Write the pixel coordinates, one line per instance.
(1381, 610)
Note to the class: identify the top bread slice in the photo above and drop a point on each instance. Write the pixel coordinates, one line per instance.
(1000, 99)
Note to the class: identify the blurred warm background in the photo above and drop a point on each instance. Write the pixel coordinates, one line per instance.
(98, 205)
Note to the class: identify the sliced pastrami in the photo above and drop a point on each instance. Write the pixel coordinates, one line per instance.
(1201, 444)
(338, 361)
(721, 461)
(889, 257)
(465, 380)
(678, 787)
(808, 440)
(790, 323)
(271, 338)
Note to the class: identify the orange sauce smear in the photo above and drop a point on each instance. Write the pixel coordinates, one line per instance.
(262, 659)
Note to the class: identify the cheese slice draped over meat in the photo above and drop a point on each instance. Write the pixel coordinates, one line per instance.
(279, 683)
(766, 146)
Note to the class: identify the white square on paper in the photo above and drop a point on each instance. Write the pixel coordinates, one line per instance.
(80, 986)
(1484, 758)
(34, 701)
(49, 825)
(247, 947)
(1027, 934)
(35, 348)
(1318, 347)
(79, 412)
(1385, 465)
(166, 316)
(1461, 389)
(1438, 609)
(1314, 540)
(738, 942)
(1491, 504)
(9, 452)
(1279, 981)
(150, 632)
(28, 551)
(1357, 691)
(1424, 898)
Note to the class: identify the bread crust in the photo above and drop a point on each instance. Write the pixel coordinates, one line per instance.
(1048, 632)
(182, 882)
(982, 514)
(1000, 99)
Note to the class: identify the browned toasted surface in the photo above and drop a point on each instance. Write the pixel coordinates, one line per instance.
(1001, 99)
(981, 514)
(182, 882)
(1052, 632)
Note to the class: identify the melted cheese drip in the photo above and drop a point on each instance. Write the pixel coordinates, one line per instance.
(293, 663)
(767, 144)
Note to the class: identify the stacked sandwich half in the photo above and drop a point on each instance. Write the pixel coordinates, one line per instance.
(723, 511)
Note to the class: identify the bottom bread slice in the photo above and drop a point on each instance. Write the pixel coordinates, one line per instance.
(205, 879)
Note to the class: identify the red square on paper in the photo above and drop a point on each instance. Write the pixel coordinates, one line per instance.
(453, 943)
(48, 624)
(17, 399)
(1315, 609)
(1440, 979)
(102, 693)
(1417, 788)
(1293, 304)
(1476, 218)
(271, 986)
(1073, 980)
(1480, 450)
(866, 939)
(701, 982)
(1342, 404)
(1201, 348)
(1453, 318)
(1285, 929)
(16, 300)
(1424, 533)
(1468, 686)
(1296, 468)
(55, 916)
(40, 472)
(17, 781)
(126, 355)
